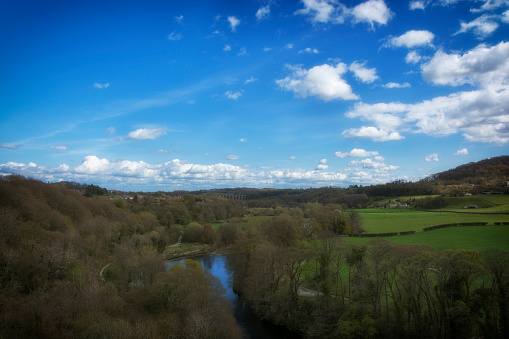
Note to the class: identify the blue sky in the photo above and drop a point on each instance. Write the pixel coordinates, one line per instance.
(166, 95)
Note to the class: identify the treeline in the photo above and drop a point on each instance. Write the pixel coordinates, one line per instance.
(54, 243)
(486, 171)
(380, 290)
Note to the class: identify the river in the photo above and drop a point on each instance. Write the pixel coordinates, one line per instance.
(253, 327)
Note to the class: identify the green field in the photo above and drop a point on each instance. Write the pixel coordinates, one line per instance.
(412, 220)
(468, 237)
(492, 208)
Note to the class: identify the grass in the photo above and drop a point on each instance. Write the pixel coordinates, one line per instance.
(468, 237)
(412, 220)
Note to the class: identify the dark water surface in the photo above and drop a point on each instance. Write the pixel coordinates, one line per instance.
(252, 325)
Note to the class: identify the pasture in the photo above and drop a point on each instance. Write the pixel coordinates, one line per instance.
(478, 238)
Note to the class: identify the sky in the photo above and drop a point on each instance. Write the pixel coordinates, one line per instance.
(184, 95)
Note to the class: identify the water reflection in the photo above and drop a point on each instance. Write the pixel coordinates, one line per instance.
(252, 325)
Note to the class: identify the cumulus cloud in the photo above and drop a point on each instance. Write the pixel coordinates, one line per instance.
(356, 153)
(60, 148)
(321, 167)
(482, 26)
(323, 81)
(366, 75)
(372, 12)
(309, 50)
(431, 157)
(101, 86)
(462, 151)
(397, 85)
(481, 115)
(373, 133)
(173, 36)
(146, 133)
(243, 140)
(324, 11)
(483, 65)
(10, 145)
(232, 95)
(323, 161)
(505, 17)
(293, 157)
(412, 57)
(234, 22)
(412, 39)
(414, 5)
(263, 13)
(330, 11)
(127, 173)
(376, 163)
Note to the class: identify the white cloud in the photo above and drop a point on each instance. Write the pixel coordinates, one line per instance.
(146, 133)
(462, 151)
(371, 12)
(232, 95)
(60, 148)
(250, 80)
(174, 36)
(309, 50)
(10, 146)
(417, 5)
(243, 140)
(397, 85)
(412, 57)
(323, 161)
(366, 75)
(293, 157)
(127, 174)
(322, 167)
(179, 18)
(234, 22)
(323, 81)
(289, 46)
(101, 86)
(490, 5)
(373, 133)
(377, 163)
(267, 49)
(431, 157)
(231, 157)
(263, 12)
(412, 39)
(481, 115)
(356, 153)
(111, 130)
(482, 26)
(243, 51)
(505, 17)
(227, 48)
(483, 65)
(164, 151)
(323, 11)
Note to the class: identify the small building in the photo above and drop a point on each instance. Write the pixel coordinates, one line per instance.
(471, 206)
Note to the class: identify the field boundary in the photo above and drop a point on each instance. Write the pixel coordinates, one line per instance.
(426, 229)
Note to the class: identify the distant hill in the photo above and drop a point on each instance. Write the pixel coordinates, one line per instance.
(489, 171)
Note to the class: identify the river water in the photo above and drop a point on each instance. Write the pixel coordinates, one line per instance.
(253, 327)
